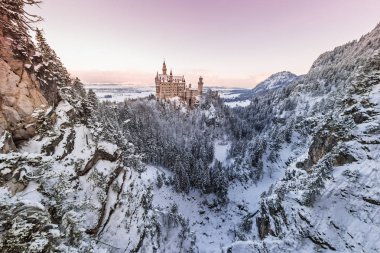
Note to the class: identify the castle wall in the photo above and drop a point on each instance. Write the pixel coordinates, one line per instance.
(169, 89)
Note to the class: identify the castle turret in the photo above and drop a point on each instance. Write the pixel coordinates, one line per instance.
(200, 86)
(164, 68)
(158, 86)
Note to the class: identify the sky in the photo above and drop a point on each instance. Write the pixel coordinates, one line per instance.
(233, 43)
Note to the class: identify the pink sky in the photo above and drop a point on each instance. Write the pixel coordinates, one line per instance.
(230, 43)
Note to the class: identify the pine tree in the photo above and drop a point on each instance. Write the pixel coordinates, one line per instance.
(202, 175)
(52, 70)
(78, 88)
(92, 99)
(89, 105)
(181, 179)
(15, 12)
(16, 23)
(219, 181)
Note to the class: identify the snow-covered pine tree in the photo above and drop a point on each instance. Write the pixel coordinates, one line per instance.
(78, 88)
(181, 179)
(92, 99)
(90, 106)
(16, 22)
(51, 69)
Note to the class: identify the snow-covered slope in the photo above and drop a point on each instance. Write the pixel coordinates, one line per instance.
(66, 190)
(275, 81)
(328, 199)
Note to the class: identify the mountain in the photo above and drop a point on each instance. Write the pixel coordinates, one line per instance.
(295, 171)
(323, 128)
(275, 81)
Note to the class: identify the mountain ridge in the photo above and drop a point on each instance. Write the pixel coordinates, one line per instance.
(275, 81)
(334, 107)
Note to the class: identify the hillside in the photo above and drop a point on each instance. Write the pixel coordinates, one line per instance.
(327, 199)
(275, 81)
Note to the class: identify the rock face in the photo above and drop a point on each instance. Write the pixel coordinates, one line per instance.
(20, 93)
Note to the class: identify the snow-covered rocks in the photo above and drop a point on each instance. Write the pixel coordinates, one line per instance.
(6, 143)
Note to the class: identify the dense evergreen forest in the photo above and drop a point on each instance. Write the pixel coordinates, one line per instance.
(182, 139)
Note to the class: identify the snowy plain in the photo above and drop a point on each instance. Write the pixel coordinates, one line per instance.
(118, 93)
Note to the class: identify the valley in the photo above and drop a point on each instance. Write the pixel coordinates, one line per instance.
(290, 165)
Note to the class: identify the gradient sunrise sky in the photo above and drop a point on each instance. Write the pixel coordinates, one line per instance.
(231, 43)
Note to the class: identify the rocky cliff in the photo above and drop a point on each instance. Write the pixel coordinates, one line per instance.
(20, 91)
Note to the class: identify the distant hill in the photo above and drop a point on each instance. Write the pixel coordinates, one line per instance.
(275, 81)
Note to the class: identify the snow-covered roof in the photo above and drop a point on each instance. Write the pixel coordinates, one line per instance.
(165, 78)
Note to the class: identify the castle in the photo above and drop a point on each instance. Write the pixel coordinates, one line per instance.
(168, 86)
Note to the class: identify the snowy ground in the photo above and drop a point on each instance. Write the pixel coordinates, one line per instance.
(216, 227)
(221, 150)
(115, 93)
(238, 103)
(118, 93)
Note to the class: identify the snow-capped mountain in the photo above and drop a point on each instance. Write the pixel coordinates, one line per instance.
(275, 81)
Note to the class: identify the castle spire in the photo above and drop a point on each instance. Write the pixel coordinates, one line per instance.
(164, 68)
(200, 86)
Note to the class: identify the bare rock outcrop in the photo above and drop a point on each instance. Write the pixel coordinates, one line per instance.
(20, 92)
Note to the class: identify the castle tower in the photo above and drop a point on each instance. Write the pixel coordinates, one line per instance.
(158, 86)
(200, 86)
(164, 68)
